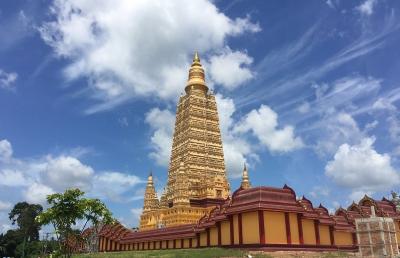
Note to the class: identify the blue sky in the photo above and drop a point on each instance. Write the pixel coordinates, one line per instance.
(308, 95)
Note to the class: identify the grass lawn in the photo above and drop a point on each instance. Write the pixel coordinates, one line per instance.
(203, 253)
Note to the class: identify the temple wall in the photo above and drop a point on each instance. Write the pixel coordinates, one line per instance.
(343, 238)
(324, 235)
(213, 236)
(247, 228)
(235, 229)
(308, 232)
(251, 233)
(275, 227)
(225, 233)
(203, 239)
(294, 228)
(186, 243)
(194, 242)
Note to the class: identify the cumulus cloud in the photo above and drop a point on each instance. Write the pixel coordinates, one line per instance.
(7, 80)
(139, 48)
(237, 149)
(37, 193)
(45, 175)
(362, 169)
(230, 68)
(263, 123)
(67, 172)
(161, 123)
(367, 7)
(339, 128)
(113, 185)
(12, 177)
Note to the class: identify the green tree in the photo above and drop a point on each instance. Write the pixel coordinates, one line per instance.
(69, 208)
(20, 242)
(23, 214)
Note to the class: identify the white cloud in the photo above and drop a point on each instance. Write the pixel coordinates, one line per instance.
(5, 227)
(337, 129)
(230, 68)
(67, 172)
(11, 177)
(362, 169)
(383, 103)
(7, 80)
(113, 185)
(39, 177)
(6, 151)
(5, 206)
(37, 193)
(367, 7)
(137, 48)
(162, 124)
(263, 123)
(237, 150)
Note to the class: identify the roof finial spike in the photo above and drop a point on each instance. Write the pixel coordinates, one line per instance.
(244, 166)
(196, 58)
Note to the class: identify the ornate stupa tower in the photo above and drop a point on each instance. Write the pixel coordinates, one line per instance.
(150, 196)
(197, 178)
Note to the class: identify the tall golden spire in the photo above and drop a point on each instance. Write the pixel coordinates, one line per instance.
(196, 79)
(245, 178)
(150, 197)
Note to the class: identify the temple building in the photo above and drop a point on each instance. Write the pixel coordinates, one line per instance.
(197, 209)
(197, 179)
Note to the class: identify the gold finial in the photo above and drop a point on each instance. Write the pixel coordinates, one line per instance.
(196, 58)
(196, 80)
(150, 178)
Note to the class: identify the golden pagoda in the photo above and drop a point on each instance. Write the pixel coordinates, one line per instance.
(197, 179)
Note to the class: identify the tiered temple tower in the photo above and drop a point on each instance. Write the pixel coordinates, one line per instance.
(197, 179)
(150, 196)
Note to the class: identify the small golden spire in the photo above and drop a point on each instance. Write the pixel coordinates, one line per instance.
(150, 178)
(245, 178)
(196, 58)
